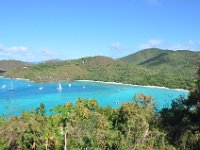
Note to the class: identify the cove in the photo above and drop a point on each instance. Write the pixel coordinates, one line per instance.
(28, 95)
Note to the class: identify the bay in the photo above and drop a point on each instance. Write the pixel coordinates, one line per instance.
(29, 95)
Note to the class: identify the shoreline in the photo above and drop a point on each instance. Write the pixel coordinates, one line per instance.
(114, 83)
(135, 85)
(17, 78)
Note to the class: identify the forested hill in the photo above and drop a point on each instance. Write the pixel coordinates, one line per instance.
(143, 55)
(8, 65)
(180, 64)
(175, 69)
(91, 68)
(155, 57)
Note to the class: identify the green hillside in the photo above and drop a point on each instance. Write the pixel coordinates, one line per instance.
(143, 55)
(179, 64)
(8, 65)
(181, 57)
(108, 69)
(91, 68)
(156, 57)
(158, 67)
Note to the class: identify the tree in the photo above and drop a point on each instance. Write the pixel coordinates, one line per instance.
(41, 109)
(182, 120)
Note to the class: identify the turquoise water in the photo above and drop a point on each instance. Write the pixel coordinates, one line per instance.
(28, 95)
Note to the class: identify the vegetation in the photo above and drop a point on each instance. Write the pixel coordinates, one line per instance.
(134, 125)
(182, 120)
(85, 126)
(173, 65)
(8, 65)
(143, 55)
(155, 56)
(175, 69)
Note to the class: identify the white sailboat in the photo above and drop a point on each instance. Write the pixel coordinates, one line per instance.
(59, 86)
(11, 87)
(3, 86)
(70, 85)
(117, 102)
(41, 88)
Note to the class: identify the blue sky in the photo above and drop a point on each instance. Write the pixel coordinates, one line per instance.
(35, 30)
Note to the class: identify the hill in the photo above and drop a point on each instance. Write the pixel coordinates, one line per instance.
(181, 57)
(143, 55)
(8, 65)
(90, 68)
(156, 57)
(178, 64)
(158, 67)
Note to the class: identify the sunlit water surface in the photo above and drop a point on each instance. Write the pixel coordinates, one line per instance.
(29, 95)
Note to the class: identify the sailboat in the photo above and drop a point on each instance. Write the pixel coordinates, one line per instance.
(29, 84)
(70, 85)
(59, 86)
(11, 87)
(3, 86)
(41, 88)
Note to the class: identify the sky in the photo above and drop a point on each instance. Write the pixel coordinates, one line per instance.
(37, 30)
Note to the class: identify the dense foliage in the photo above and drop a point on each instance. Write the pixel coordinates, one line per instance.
(85, 126)
(8, 65)
(182, 120)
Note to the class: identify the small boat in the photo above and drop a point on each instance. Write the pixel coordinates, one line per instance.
(83, 87)
(117, 102)
(70, 85)
(59, 86)
(11, 87)
(3, 86)
(40, 88)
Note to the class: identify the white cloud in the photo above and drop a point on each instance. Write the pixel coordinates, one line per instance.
(178, 47)
(13, 48)
(23, 53)
(151, 44)
(189, 45)
(155, 43)
(14, 52)
(116, 46)
(144, 46)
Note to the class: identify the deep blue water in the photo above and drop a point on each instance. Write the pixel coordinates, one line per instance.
(27, 95)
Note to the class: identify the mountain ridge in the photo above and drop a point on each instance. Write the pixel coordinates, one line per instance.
(146, 54)
(158, 67)
(8, 65)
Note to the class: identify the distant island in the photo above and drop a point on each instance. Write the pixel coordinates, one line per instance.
(158, 67)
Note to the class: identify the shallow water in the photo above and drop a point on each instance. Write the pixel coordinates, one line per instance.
(28, 95)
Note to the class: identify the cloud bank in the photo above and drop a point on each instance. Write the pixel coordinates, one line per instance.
(157, 43)
(23, 53)
(151, 43)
